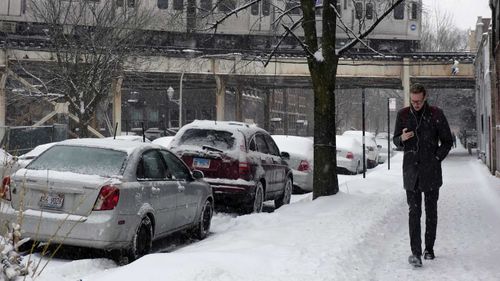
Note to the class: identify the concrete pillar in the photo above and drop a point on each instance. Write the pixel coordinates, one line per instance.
(220, 97)
(3, 104)
(405, 78)
(116, 89)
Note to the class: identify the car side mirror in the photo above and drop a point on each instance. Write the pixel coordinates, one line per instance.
(197, 174)
(285, 155)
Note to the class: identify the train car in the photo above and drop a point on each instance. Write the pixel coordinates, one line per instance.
(186, 23)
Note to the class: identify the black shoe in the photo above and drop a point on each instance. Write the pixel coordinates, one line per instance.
(429, 255)
(415, 260)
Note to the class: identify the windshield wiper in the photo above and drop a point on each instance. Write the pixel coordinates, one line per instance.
(207, 147)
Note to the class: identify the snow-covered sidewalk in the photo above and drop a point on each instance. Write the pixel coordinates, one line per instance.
(359, 234)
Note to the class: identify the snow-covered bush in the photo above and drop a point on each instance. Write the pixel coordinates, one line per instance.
(10, 258)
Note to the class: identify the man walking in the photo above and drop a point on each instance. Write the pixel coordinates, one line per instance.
(425, 136)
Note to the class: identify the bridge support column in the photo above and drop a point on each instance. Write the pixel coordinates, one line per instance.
(220, 97)
(3, 104)
(405, 78)
(116, 89)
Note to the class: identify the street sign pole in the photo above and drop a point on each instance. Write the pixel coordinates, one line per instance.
(388, 135)
(363, 125)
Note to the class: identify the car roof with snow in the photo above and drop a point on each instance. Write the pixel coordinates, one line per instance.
(230, 126)
(120, 145)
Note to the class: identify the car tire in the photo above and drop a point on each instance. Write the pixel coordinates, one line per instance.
(142, 242)
(202, 227)
(287, 194)
(258, 200)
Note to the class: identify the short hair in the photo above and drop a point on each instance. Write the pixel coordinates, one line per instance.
(418, 88)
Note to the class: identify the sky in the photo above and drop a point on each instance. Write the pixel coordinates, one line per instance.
(359, 234)
(465, 12)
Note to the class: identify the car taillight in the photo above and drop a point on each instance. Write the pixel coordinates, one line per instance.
(244, 170)
(107, 199)
(349, 155)
(303, 166)
(5, 191)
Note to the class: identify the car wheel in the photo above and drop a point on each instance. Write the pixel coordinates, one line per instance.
(287, 194)
(142, 241)
(203, 226)
(258, 199)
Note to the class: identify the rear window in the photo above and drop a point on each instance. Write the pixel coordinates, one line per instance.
(222, 140)
(81, 159)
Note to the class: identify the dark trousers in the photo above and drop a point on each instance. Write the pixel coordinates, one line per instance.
(414, 199)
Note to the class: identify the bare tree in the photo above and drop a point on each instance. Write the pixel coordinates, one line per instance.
(439, 34)
(322, 58)
(91, 41)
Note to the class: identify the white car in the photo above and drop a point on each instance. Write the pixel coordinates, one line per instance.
(381, 139)
(26, 158)
(301, 150)
(163, 141)
(349, 154)
(372, 149)
(8, 164)
(131, 138)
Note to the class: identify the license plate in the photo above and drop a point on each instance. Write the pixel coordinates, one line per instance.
(201, 163)
(52, 200)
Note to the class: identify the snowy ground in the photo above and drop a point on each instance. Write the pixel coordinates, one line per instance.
(359, 234)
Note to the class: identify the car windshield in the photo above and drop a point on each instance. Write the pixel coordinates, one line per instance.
(81, 159)
(222, 140)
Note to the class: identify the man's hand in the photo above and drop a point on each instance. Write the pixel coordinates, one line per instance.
(407, 135)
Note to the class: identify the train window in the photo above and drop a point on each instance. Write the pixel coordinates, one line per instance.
(162, 4)
(414, 11)
(266, 7)
(358, 7)
(206, 6)
(290, 6)
(227, 5)
(369, 11)
(178, 5)
(399, 11)
(254, 9)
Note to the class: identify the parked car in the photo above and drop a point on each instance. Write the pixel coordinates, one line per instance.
(107, 194)
(240, 161)
(372, 149)
(131, 138)
(8, 163)
(164, 141)
(301, 151)
(154, 133)
(349, 154)
(381, 139)
(26, 158)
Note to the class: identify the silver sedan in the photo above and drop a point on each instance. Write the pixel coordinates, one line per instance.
(107, 194)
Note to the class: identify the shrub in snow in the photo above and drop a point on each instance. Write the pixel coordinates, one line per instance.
(10, 259)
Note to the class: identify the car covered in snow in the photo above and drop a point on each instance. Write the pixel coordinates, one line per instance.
(241, 162)
(163, 141)
(371, 146)
(107, 194)
(8, 163)
(26, 158)
(301, 151)
(381, 139)
(349, 154)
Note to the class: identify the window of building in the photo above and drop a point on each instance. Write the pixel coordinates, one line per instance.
(206, 6)
(290, 4)
(178, 5)
(414, 11)
(369, 11)
(162, 4)
(266, 7)
(254, 9)
(399, 11)
(358, 7)
(227, 5)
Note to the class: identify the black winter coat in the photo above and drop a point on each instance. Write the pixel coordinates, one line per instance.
(423, 152)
